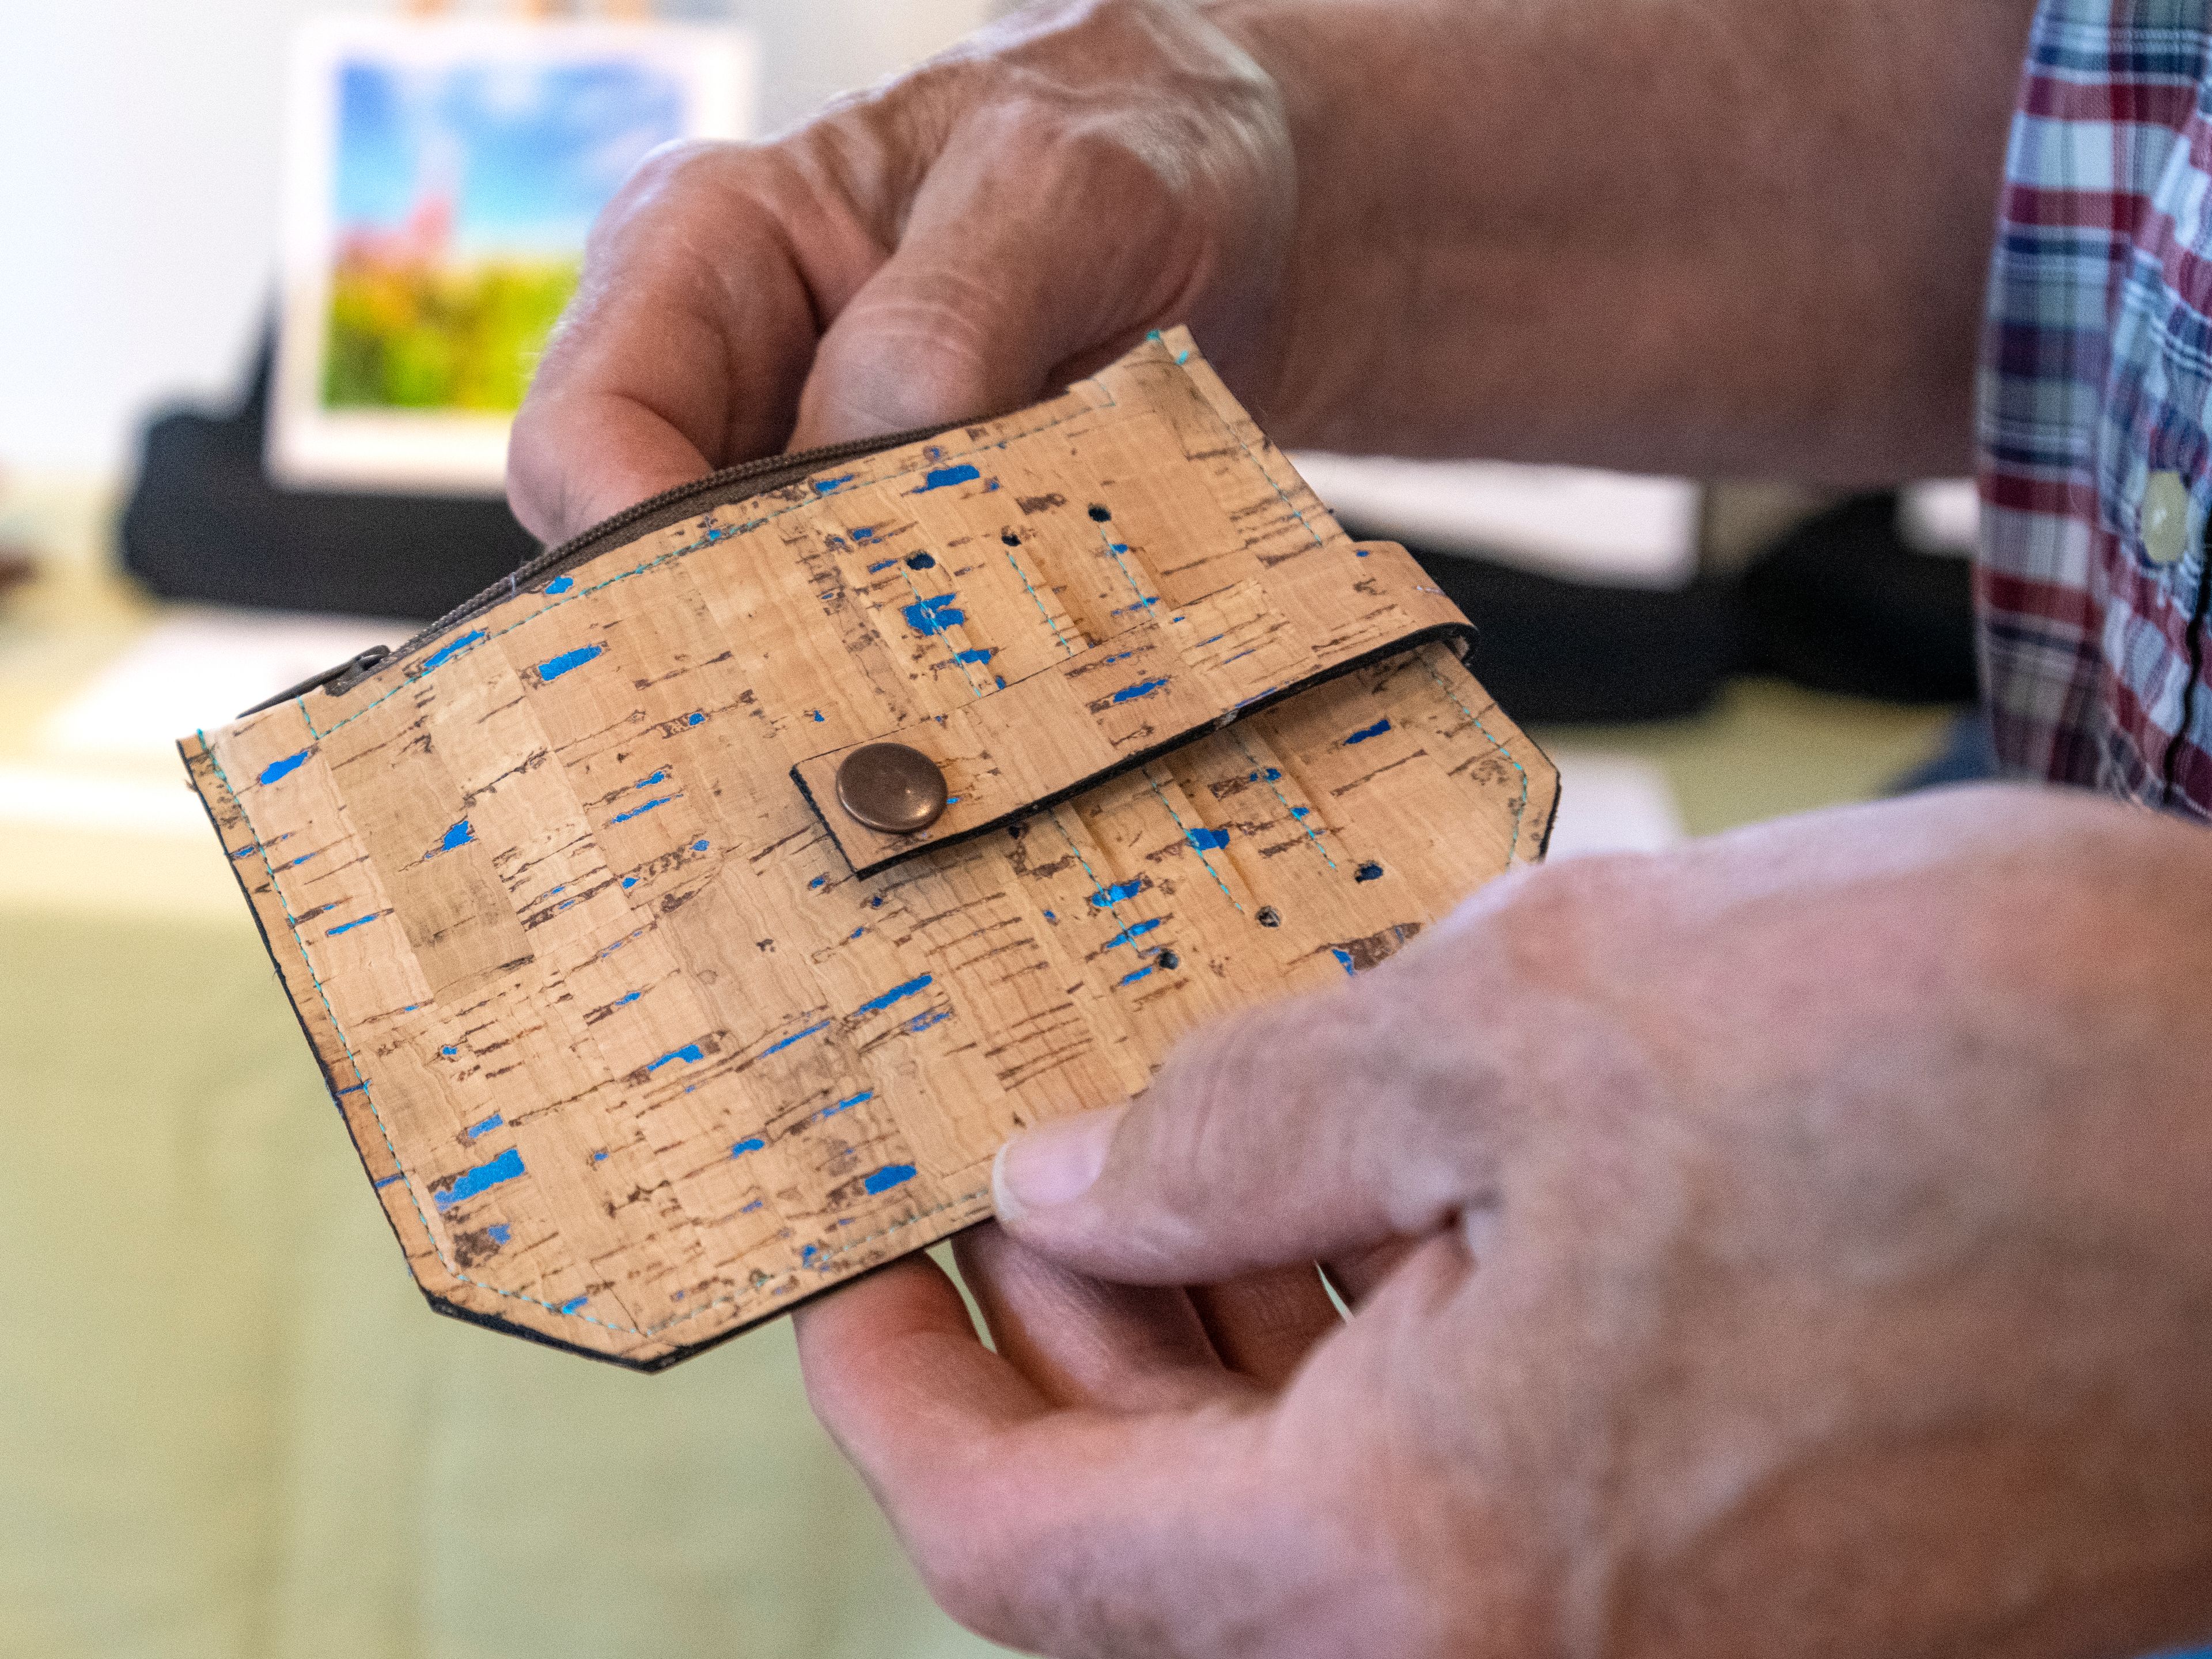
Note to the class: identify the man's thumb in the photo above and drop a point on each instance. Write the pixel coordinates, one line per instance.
(1283, 1135)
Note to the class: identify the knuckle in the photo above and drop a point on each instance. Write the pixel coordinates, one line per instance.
(680, 179)
(684, 166)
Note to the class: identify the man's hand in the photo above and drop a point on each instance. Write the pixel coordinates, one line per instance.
(1799, 1246)
(1007, 218)
(1724, 237)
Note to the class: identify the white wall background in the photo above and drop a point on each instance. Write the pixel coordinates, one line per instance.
(138, 189)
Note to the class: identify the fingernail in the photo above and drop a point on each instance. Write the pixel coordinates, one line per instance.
(1053, 1163)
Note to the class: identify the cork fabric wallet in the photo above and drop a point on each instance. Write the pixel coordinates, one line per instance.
(682, 924)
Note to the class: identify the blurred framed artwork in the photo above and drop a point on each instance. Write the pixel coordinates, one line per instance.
(440, 176)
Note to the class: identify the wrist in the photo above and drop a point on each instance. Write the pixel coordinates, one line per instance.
(1343, 100)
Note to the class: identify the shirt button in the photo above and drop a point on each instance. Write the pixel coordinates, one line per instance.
(2165, 518)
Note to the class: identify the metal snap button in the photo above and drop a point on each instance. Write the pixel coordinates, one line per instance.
(891, 788)
(2165, 518)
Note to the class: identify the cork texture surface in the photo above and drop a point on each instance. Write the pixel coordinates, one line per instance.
(632, 1056)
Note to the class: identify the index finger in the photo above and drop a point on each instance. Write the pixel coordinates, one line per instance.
(689, 336)
(1067, 1531)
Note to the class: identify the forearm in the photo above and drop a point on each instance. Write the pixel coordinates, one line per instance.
(1716, 236)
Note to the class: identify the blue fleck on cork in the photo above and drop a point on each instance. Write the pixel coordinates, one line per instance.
(507, 1166)
(897, 992)
(553, 667)
(1142, 689)
(689, 1053)
(474, 637)
(823, 1025)
(639, 811)
(1206, 840)
(1367, 731)
(1134, 930)
(479, 1131)
(750, 1144)
(284, 767)
(460, 836)
(934, 615)
(890, 1176)
(560, 584)
(1105, 898)
(940, 477)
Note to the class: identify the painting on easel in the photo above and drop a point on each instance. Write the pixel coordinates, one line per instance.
(442, 176)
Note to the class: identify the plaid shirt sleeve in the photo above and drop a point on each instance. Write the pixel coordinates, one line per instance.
(2095, 399)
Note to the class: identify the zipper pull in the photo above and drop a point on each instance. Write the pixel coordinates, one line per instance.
(352, 668)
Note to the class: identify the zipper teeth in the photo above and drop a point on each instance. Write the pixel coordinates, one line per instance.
(583, 544)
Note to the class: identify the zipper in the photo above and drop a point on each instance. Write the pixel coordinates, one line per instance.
(750, 478)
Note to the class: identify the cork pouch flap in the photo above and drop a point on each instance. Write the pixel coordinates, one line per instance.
(643, 1036)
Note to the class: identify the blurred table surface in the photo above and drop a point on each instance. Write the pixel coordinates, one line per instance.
(228, 1424)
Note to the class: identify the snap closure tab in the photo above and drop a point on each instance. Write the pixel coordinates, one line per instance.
(2165, 518)
(891, 788)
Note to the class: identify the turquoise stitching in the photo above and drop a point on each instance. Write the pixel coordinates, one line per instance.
(921, 601)
(1042, 611)
(1312, 835)
(1096, 885)
(919, 1215)
(1107, 536)
(1519, 806)
(1202, 858)
(1296, 512)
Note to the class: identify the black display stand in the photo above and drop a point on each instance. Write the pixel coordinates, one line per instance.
(205, 523)
(1842, 604)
